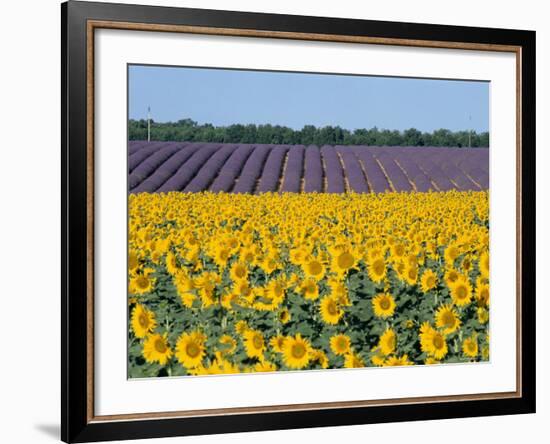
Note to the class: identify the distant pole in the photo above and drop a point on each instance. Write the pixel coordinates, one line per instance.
(470, 133)
(148, 124)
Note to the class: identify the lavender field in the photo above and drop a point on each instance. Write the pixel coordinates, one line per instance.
(255, 168)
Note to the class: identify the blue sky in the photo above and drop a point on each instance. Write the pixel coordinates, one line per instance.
(223, 97)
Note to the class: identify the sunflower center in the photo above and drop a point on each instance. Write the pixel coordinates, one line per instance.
(332, 308)
(132, 261)
(484, 295)
(298, 351)
(258, 341)
(448, 319)
(142, 282)
(345, 260)
(461, 292)
(430, 281)
(341, 344)
(192, 350)
(315, 268)
(378, 267)
(385, 304)
(438, 342)
(240, 272)
(143, 320)
(453, 253)
(278, 290)
(160, 346)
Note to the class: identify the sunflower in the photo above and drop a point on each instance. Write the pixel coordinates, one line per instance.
(218, 366)
(275, 291)
(238, 272)
(143, 321)
(394, 361)
(309, 289)
(447, 319)
(270, 263)
(451, 253)
(482, 315)
(397, 250)
(383, 305)
(353, 360)
(484, 264)
(377, 269)
(156, 349)
(229, 344)
(451, 276)
(432, 342)
(142, 283)
(190, 349)
(482, 295)
(340, 344)
(319, 357)
(377, 358)
(330, 310)
(485, 353)
(411, 274)
(248, 255)
(461, 291)
(470, 347)
(431, 361)
(314, 268)
(284, 315)
(387, 342)
(171, 263)
(297, 256)
(428, 280)
(221, 255)
(342, 261)
(254, 343)
(241, 327)
(339, 291)
(277, 342)
(296, 352)
(133, 260)
(265, 366)
(466, 263)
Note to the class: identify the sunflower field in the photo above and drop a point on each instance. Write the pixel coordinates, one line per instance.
(232, 283)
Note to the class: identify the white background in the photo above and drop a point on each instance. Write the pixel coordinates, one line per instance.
(29, 186)
(117, 395)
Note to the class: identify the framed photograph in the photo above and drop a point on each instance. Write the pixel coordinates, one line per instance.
(275, 221)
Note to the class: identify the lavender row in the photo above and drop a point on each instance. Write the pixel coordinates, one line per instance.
(313, 170)
(210, 169)
(333, 170)
(292, 175)
(353, 171)
(271, 175)
(167, 169)
(375, 176)
(189, 169)
(252, 170)
(231, 169)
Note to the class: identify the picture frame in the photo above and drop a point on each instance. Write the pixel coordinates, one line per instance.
(80, 21)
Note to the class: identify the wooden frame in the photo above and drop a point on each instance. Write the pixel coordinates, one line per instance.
(79, 21)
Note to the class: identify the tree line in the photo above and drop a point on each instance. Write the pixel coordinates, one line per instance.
(190, 131)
